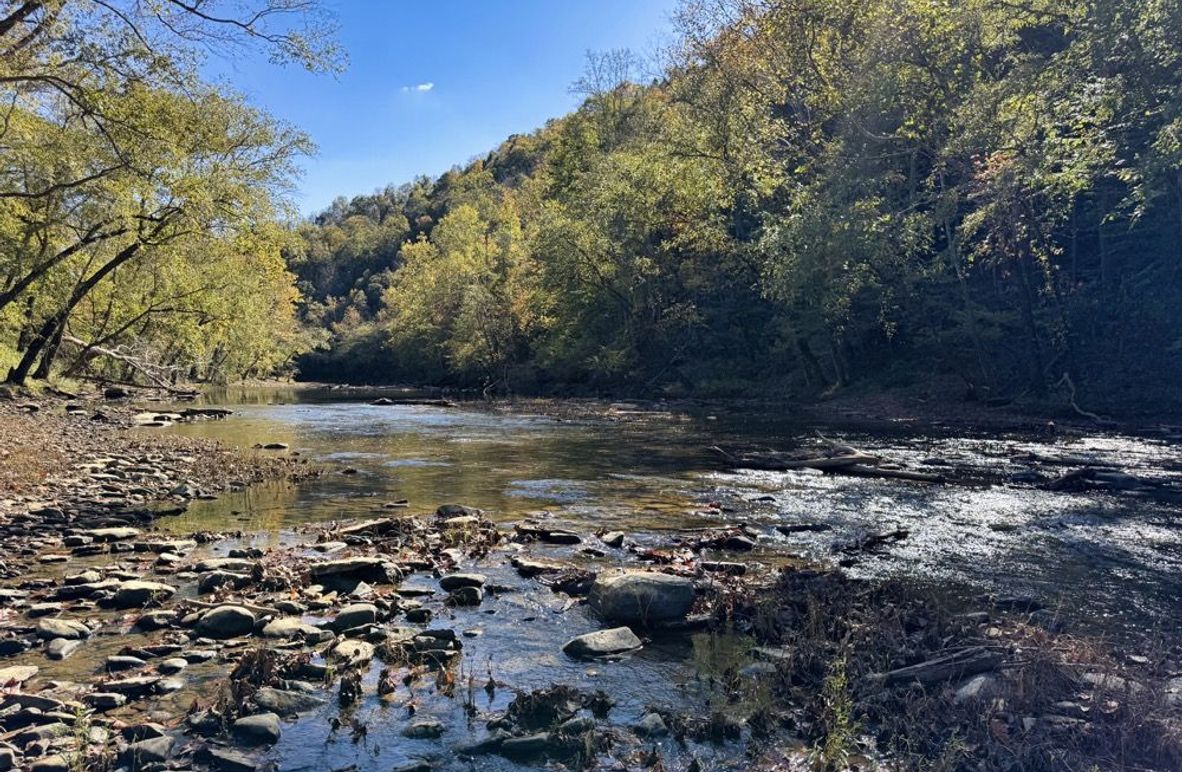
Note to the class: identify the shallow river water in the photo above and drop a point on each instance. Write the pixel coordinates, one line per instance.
(1111, 563)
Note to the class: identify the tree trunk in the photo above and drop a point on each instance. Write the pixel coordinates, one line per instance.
(48, 337)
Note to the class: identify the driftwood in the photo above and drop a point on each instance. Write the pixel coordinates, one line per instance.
(252, 608)
(954, 665)
(877, 540)
(136, 364)
(839, 460)
(384, 401)
(1092, 478)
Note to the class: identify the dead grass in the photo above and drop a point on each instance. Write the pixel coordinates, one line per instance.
(1057, 703)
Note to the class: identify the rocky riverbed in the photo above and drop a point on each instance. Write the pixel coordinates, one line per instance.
(442, 639)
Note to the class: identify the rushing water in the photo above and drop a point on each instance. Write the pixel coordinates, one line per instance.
(1110, 563)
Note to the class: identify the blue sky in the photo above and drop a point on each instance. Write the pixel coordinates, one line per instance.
(434, 84)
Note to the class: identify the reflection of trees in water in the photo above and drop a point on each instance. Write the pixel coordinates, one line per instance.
(262, 508)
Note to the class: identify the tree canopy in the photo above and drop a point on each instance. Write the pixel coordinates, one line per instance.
(140, 206)
(809, 195)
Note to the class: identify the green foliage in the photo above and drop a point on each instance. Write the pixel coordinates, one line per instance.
(812, 195)
(139, 207)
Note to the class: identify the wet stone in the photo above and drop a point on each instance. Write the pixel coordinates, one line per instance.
(602, 643)
(288, 628)
(637, 597)
(117, 662)
(424, 729)
(226, 760)
(136, 594)
(260, 729)
(225, 622)
(105, 700)
(284, 702)
(453, 582)
(147, 752)
(62, 628)
(355, 615)
(61, 648)
(466, 596)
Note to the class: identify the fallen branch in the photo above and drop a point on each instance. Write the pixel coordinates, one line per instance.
(127, 359)
(957, 664)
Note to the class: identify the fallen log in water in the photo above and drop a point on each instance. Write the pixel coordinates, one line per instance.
(384, 401)
(848, 461)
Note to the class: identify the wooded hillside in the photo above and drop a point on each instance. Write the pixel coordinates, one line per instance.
(809, 195)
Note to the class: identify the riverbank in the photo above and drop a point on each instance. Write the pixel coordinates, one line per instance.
(942, 406)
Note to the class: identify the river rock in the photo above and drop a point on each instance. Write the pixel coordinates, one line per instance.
(105, 700)
(173, 665)
(49, 629)
(226, 760)
(136, 594)
(17, 674)
(529, 745)
(60, 648)
(354, 570)
(456, 581)
(980, 687)
(86, 589)
(352, 652)
(156, 620)
(112, 534)
(651, 725)
(233, 565)
(214, 579)
(638, 597)
(289, 627)
(284, 702)
(613, 539)
(225, 622)
(259, 729)
(424, 728)
(355, 615)
(83, 577)
(602, 643)
(54, 763)
(457, 510)
(117, 662)
(146, 753)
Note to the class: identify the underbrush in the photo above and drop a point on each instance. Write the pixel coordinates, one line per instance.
(1028, 699)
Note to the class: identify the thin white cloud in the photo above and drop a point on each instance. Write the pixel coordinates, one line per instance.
(418, 87)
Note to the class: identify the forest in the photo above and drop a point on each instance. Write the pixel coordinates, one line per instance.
(794, 198)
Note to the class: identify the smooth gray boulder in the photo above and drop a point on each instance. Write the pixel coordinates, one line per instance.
(456, 581)
(289, 627)
(49, 629)
(259, 729)
(225, 622)
(641, 598)
(137, 594)
(284, 702)
(602, 643)
(355, 615)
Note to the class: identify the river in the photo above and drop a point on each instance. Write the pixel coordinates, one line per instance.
(1107, 563)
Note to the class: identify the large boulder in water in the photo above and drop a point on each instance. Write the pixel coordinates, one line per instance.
(137, 594)
(602, 643)
(226, 622)
(641, 598)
